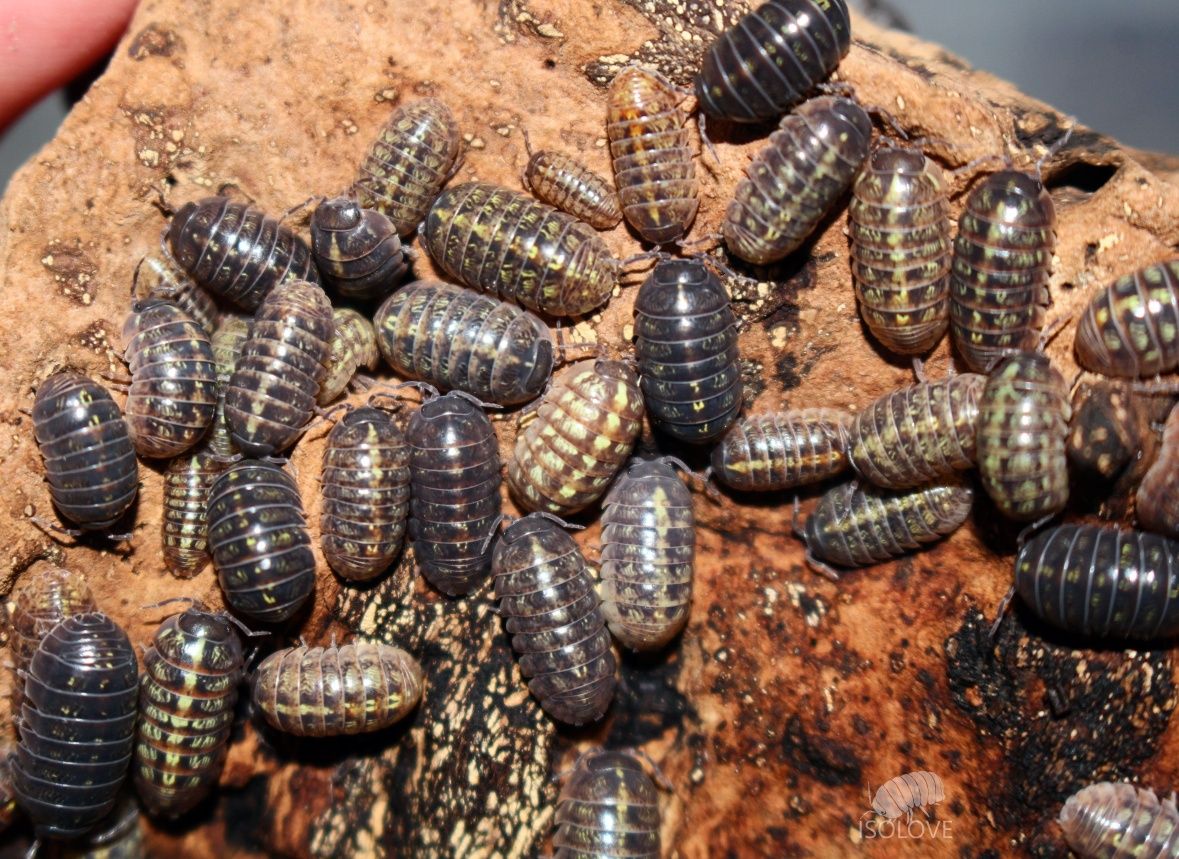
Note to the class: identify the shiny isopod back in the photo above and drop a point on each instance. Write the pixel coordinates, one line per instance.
(1023, 417)
(77, 725)
(457, 339)
(652, 153)
(237, 252)
(686, 345)
(191, 673)
(159, 277)
(546, 595)
(1109, 432)
(259, 541)
(353, 345)
(794, 181)
(357, 251)
(648, 555)
(1002, 259)
(1131, 328)
(608, 807)
(1157, 502)
(901, 246)
(781, 450)
(89, 459)
(574, 443)
(562, 181)
(769, 60)
(334, 691)
(1114, 820)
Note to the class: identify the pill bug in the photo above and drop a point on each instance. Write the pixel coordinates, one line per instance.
(353, 345)
(1023, 417)
(505, 243)
(457, 339)
(1109, 432)
(186, 707)
(686, 345)
(908, 793)
(9, 811)
(648, 554)
(917, 434)
(1157, 502)
(652, 155)
(999, 276)
(45, 597)
(796, 179)
(1101, 582)
(856, 525)
(564, 182)
(357, 251)
(781, 450)
(414, 155)
(165, 281)
(119, 835)
(578, 438)
(237, 252)
(271, 395)
(454, 474)
(77, 725)
(769, 60)
(259, 541)
(547, 597)
(333, 691)
(173, 393)
(607, 807)
(1131, 328)
(901, 247)
(1107, 820)
(365, 484)
(89, 459)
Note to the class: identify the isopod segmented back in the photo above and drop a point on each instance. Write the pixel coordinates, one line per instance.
(357, 251)
(1113, 820)
(1131, 328)
(608, 807)
(1157, 501)
(564, 182)
(353, 345)
(781, 450)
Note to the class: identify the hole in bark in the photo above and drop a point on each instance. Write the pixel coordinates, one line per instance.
(1082, 176)
(550, 64)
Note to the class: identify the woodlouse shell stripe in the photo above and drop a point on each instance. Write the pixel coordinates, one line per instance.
(607, 807)
(1131, 328)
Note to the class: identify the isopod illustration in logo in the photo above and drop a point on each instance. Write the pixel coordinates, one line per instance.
(906, 793)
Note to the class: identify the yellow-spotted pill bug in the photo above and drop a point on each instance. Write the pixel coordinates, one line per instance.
(1112, 820)
(357, 251)
(1131, 328)
(353, 345)
(781, 450)
(564, 182)
(608, 806)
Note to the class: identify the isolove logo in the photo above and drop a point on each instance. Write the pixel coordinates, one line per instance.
(901, 796)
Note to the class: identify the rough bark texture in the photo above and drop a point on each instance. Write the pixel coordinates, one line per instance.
(788, 697)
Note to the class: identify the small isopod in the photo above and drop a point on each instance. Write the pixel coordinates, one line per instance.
(1109, 433)
(334, 691)
(562, 181)
(353, 345)
(608, 807)
(1131, 328)
(1114, 820)
(781, 450)
(357, 250)
(908, 793)
(652, 154)
(1157, 503)
(165, 281)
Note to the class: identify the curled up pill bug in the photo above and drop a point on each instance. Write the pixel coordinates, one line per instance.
(564, 182)
(547, 598)
(1157, 500)
(608, 806)
(1109, 431)
(781, 450)
(334, 691)
(1111, 820)
(353, 346)
(770, 59)
(237, 252)
(157, 276)
(1131, 328)
(357, 250)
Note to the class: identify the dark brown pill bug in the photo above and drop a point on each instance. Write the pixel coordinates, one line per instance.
(769, 60)
(648, 554)
(652, 153)
(577, 439)
(365, 484)
(798, 178)
(1002, 260)
(781, 450)
(917, 434)
(1157, 503)
(271, 395)
(1110, 433)
(1131, 328)
(1101, 582)
(415, 153)
(454, 473)
(119, 835)
(547, 596)
(608, 807)
(236, 252)
(1114, 820)
(259, 541)
(562, 181)
(456, 339)
(334, 691)
(686, 345)
(9, 811)
(856, 525)
(45, 597)
(161, 278)
(901, 247)
(89, 459)
(1023, 417)
(173, 394)
(357, 250)
(187, 696)
(77, 725)
(505, 243)
(353, 345)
